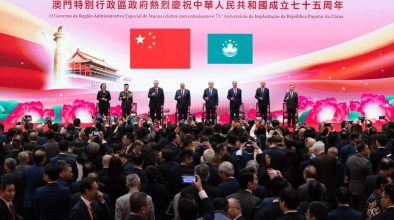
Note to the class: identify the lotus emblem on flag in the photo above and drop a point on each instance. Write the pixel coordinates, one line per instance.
(229, 48)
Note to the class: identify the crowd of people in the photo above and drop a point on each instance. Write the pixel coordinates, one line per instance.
(196, 170)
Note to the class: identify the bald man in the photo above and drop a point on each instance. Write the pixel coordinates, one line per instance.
(211, 101)
(182, 97)
(235, 96)
(263, 99)
(156, 102)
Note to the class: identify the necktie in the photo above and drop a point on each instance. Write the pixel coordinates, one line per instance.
(291, 94)
(156, 91)
(210, 92)
(13, 213)
(91, 210)
(182, 92)
(235, 92)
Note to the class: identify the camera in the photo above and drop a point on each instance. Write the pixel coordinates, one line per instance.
(327, 124)
(201, 145)
(259, 118)
(382, 117)
(96, 133)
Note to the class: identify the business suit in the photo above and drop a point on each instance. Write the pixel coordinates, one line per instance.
(341, 213)
(70, 160)
(160, 197)
(51, 148)
(292, 216)
(182, 97)
(211, 98)
(291, 99)
(235, 97)
(156, 101)
(263, 100)
(303, 191)
(5, 212)
(80, 211)
(127, 101)
(34, 178)
(103, 105)
(326, 173)
(50, 202)
(229, 186)
(122, 207)
(249, 203)
(358, 168)
(271, 212)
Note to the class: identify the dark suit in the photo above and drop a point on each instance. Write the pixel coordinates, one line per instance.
(127, 101)
(80, 211)
(358, 168)
(160, 197)
(271, 212)
(135, 217)
(263, 93)
(235, 102)
(5, 212)
(376, 156)
(103, 106)
(70, 160)
(211, 102)
(249, 203)
(341, 213)
(229, 186)
(50, 202)
(34, 178)
(155, 102)
(292, 216)
(292, 106)
(386, 215)
(51, 148)
(182, 102)
(326, 170)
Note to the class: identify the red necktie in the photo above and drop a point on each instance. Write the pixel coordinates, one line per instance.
(13, 213)
(91, 210)
(182, 93)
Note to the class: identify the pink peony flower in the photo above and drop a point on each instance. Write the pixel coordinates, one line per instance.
(372, 106)
(304, 104)
(327, 110)
(80, 109)
(35, 109)
(278, 115)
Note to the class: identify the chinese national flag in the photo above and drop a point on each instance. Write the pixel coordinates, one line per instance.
(160, 48)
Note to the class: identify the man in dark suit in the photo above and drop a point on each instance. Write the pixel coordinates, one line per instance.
(380, 152)
(50, 200)
(103, 98)
(7, 193)
(385, 168)
(229, 184)
(263, 98)
(156, 102)
(34, 178)
(249, 203)
(291, 100)
(63, 147)
(387, 203)
(343, 211)
(211, 98)
(358, 168)
(175, 174)
(235, 96)
(158, 192)
(126, 97)
(182, 97)
(87, 207)
(288, 202)
(326, 169)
